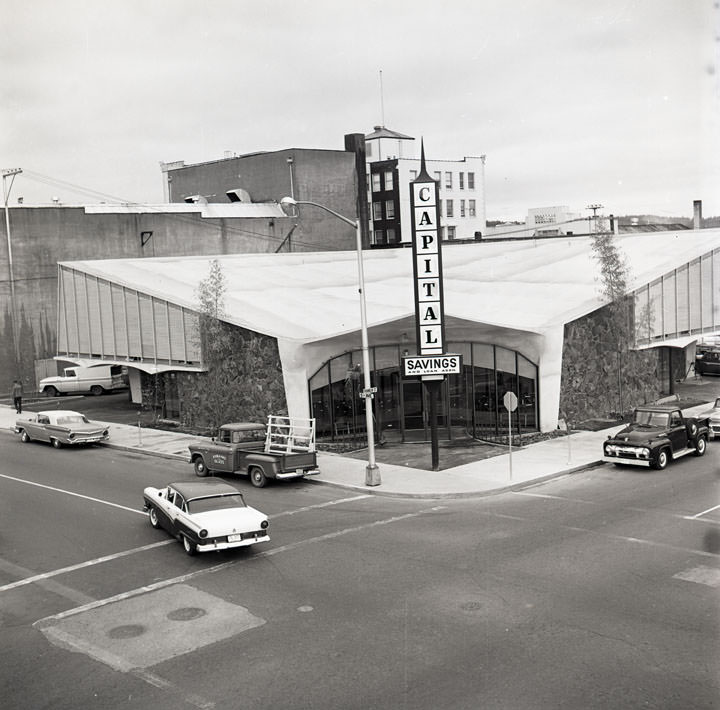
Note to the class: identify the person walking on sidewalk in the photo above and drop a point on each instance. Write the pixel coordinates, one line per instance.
(17, 393)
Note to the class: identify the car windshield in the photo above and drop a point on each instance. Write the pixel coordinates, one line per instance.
(73, 419)
(651, 418)
(203, 505)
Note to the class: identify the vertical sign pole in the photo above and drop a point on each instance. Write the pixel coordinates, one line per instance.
(510, 440)
(433, 387)
(510, 401)
(427, 270)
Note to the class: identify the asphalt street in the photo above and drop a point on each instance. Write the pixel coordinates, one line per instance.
(592, 591)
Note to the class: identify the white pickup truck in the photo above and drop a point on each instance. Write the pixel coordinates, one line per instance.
(95, 380)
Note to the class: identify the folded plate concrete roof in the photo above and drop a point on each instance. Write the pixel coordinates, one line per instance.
(526, 285)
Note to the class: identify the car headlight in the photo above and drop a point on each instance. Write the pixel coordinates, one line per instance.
(71, 436)
(644, 453)
(203, 533)
(106, 433)
(264, 524)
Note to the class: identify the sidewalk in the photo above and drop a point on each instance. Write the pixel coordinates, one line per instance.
(530, 465)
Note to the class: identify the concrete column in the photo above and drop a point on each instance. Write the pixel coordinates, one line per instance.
(550, 371)
(295, 378)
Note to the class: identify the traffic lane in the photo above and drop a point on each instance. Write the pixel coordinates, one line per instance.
(236, 572)
(686, 485)
(97, 548)
(341, 575)
(419, 614)
(159, 560)
(121, 476)
(682, 502)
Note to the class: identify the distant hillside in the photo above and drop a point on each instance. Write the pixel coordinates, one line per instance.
(655, 219)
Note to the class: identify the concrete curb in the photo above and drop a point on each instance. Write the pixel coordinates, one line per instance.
(521, 485)
(142, 450)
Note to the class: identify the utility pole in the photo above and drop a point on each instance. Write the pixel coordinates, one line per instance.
(11, 275)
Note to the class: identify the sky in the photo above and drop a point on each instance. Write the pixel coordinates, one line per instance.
(574, 102)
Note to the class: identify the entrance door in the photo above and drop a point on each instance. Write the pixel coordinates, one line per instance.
(416, 425)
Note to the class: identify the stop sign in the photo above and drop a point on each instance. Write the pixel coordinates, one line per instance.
(510, 401)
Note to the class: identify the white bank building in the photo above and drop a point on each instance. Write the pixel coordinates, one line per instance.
(507, 305)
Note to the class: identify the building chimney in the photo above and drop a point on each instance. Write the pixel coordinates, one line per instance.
(697, 214)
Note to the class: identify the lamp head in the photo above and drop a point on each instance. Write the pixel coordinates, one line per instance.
(288, 201)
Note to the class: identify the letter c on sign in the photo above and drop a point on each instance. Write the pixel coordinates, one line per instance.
(423, 194)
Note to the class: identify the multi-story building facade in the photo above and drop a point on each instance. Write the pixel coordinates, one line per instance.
(392, 165)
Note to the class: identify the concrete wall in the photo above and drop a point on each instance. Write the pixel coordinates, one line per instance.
(327, 177)
(42, 236)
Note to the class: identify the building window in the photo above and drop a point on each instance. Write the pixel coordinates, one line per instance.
(461, 180)
(462, 208)
(368, 149)
(377, 210)
(449, 211)
(475, 396)
(438, 177)
(380, 236)
(388, 180)
(448, 181)
(451, 232)
(471, 208)
(376, 182)
(413, 174)
(391, 236)
(471, 181)
(390, 209)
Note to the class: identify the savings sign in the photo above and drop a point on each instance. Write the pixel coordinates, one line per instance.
(431, 362)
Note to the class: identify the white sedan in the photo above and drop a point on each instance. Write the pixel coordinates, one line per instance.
(60, 427)
(205, 515)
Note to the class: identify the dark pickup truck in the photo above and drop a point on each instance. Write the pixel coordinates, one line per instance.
(282, 450)
(658, 434)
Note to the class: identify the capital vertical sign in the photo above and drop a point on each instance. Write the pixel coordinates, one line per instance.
(427, 272)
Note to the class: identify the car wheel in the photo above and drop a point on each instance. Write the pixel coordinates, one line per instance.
(153, 516)
(189, 545)
(700, 446)
(24, 437)
(661, 461)
(96, 390)
(200, 468)
(257, 477)
(51, 391)
(57, 444)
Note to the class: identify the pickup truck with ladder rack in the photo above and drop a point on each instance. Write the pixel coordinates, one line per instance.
(281, 450)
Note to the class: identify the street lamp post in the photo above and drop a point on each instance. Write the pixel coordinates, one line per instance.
(11, 275)
(372, 472)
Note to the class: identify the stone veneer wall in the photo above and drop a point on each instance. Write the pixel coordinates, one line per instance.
(590, 386)
(246, 387)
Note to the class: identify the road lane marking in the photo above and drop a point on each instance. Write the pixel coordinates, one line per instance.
(125, 553)
(705, 512)
(70, 493)
(81, 565)
(642, 541)
(55, 587)
(551, 497)
(709, 576)
(320, 505)
(215, 568)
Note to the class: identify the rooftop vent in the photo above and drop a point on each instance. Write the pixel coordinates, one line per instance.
(238, 195)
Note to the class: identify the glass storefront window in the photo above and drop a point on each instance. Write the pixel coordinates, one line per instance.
(471, 403)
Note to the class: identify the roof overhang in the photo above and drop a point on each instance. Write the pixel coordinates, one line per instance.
(307, 297)
(151, 368)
